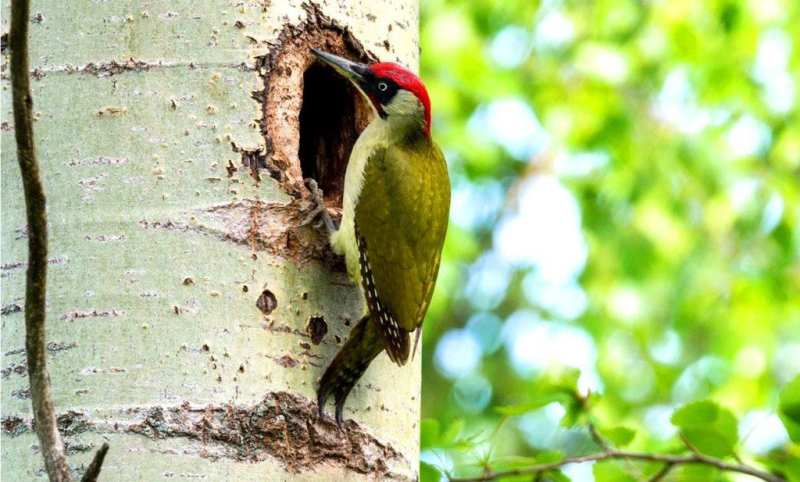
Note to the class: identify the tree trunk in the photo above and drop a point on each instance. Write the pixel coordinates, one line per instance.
(188, 318)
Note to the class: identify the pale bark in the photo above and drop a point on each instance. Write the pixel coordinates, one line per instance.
(181, 301)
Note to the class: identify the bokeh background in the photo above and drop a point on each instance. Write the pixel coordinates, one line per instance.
(626, 201)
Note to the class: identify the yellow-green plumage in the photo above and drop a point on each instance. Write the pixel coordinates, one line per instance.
(394, 220)
(401, 214)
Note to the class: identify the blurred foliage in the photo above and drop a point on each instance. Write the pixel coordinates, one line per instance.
(672, 128)
(707, 432)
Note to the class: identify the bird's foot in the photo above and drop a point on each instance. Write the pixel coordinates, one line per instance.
(320, 211)
(339, 409)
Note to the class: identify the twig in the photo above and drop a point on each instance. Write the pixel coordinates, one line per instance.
(662, 473)
(671, 460)
(592, 427)
(597, 438)
(93, 471)
(44, 417)
(688, 445)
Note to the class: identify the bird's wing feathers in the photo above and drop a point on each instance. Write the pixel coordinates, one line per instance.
(401, 220)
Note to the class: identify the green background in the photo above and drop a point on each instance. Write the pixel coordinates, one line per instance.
(626, 178)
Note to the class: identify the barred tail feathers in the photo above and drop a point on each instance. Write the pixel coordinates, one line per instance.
(362, 346)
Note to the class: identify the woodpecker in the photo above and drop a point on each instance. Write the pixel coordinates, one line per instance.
(394, 219)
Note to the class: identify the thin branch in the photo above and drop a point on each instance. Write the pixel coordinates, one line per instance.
(97, 463)
(44, 417)
(662, 473)
(597, 438)
(688, 445)
(602, 442)
(671, 460)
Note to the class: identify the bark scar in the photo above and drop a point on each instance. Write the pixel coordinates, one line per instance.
(283, 427)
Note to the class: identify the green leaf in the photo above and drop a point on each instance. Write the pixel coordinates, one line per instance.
(709, 428)
(564, 380)
(429, 433)
(786, 462)
(575, 414)
(510, 462)
(541, 458)
(449, 435)
(558, 387)
(513, 462)
(549, 457)
(532, 405)
(789, 409)
(556, 476)
(612, 471)
(697, 473)
(792, 470)
(433, 436)
(578, 410)
(429, 473)
(619, 436)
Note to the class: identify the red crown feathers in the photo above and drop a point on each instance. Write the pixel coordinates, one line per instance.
(409, 81)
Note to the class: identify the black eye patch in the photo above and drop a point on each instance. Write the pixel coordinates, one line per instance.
(383, 89)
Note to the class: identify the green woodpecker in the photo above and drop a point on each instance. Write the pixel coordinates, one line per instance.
(395, 211)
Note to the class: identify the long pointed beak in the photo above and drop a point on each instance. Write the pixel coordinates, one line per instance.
(350, 70)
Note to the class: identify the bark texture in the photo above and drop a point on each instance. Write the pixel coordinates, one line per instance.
(188, 319)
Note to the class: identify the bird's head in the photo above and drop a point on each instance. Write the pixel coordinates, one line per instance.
(397, 94)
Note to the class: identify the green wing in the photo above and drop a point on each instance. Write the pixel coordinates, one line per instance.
(401, 220)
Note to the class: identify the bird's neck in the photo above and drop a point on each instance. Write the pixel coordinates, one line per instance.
(406, 116)
(398, 130)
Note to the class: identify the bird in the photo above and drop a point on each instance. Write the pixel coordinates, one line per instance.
(395, 213)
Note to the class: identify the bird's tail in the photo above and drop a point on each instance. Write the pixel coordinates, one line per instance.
(362, 346)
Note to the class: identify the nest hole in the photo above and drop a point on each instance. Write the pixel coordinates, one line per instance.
(332, 116)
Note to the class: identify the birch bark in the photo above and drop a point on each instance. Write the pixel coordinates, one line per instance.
(188, 319)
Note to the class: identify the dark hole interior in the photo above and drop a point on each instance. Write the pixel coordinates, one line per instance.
(330, 122)
(267, 302)
(317, 328)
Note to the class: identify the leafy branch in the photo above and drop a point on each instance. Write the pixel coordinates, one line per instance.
(670, 462)
(707, 431)
(36, 281)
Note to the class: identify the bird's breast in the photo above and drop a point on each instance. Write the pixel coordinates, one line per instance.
(375, 136)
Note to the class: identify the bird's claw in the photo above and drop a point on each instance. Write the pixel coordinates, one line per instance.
(312, 217)
(313, 187)
(337, 418)
(320, 210)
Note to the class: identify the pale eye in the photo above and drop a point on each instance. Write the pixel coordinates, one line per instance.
(382, 86)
